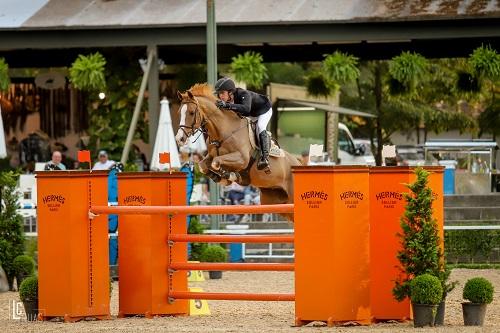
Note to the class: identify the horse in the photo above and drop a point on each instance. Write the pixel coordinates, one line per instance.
(232, 151)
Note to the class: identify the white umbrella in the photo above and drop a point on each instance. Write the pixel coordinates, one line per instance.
(3, 148)
(165, 140)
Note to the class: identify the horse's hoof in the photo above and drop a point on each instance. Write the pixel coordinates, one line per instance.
(232, 177)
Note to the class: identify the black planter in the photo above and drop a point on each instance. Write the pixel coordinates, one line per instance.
(31, 309)
(473, 314)
(439, 321)
(215, 274)
(424, 314)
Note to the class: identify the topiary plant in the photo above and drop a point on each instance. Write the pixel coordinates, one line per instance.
(248, 68)
(214, 253)
(24, 264)
(28, 291)
(4, 75)
(478, 291)
(426, 289)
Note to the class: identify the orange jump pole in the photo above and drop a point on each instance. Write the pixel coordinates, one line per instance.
(231, 238)
(231, 296)
(332, 277)
(73, 268)
(387, 205)
(143, 244)
(191, 210)
(203, 266)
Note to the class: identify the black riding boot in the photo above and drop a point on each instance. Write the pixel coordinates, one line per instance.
(265, 145)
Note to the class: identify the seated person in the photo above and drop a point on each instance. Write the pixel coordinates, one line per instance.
(104, 163)
(55, 163)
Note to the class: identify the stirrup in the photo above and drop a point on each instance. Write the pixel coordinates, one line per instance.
(262, 164)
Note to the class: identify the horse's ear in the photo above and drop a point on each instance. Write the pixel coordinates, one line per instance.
(179, 95)
(190, 94)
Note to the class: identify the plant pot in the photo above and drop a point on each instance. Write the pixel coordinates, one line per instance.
(439, 320)
(31, 309)
(473, 314)
(215, 274)
(424, 314)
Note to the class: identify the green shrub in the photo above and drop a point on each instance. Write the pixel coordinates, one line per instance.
(478, 290)
(28, 291)
(426, 289)
(195, 227)
(214, 253)
(24, 264)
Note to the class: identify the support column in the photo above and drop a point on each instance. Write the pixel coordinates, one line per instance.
(154, 95)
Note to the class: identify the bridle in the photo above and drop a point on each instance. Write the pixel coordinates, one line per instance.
(192, 129)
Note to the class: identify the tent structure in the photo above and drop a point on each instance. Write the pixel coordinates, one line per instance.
(165, 140)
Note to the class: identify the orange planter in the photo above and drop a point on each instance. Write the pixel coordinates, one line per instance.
(387, 205)
(144, 252)
(73, 271)
(332, 253)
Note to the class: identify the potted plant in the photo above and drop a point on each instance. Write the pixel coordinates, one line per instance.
(28, 292)
(214, 253)
(448, 286)
(479, 292)
(24, 266)
(426, 293)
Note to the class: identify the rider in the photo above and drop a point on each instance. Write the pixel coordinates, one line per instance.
(249, 104)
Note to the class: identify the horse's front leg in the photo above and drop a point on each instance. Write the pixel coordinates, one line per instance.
(232, 161)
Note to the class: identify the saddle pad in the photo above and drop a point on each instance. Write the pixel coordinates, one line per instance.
(275, 150)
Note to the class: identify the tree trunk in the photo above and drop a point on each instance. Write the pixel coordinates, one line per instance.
(378, 108)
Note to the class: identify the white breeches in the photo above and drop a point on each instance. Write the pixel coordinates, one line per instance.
(262, 121)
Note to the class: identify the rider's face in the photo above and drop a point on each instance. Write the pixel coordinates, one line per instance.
(224, 95)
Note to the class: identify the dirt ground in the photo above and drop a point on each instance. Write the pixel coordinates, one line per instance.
(261, 317)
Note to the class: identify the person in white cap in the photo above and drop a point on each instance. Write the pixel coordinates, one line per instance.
(104, 163)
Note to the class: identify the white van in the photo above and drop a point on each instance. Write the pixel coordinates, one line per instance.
(351, 151)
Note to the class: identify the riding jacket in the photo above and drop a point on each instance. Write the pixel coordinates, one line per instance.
(249, 103)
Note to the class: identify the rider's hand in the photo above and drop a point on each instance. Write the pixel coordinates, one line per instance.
(222, 105)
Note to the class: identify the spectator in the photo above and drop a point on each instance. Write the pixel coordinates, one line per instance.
(55, 163)
(104, 163)
(304, 157)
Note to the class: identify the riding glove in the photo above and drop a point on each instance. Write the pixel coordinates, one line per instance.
(223, 105)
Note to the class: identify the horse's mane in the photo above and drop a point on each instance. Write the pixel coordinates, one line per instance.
(203, 90)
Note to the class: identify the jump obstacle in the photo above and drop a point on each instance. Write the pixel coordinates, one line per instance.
(345, 221)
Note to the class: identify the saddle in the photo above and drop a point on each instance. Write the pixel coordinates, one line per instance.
(275, 149)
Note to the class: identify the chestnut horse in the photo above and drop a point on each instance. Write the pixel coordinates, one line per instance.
(231, 147)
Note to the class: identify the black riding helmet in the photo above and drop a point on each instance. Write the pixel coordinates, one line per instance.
(225, 84)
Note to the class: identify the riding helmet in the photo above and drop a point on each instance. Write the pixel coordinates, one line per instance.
(225, 84)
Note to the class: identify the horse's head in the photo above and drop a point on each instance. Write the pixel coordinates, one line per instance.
(191, 117)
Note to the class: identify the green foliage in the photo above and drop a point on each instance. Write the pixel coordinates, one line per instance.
(408, 68)
(319, 86)
(489, 119)
(471, 245)
(426, 289)
(88, 72)
(111, 117)
(11, 232)
(341, 68)
(473, 266)
(195, 227)
(28, 291)
(420, 243)
(286, 73)
(248, 68)
(24, 265)
(4, 75)
(214, 253)
(31, 246)
(485, 61)
(478, 290)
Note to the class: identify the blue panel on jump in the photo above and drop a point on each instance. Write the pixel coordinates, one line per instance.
(113, 250)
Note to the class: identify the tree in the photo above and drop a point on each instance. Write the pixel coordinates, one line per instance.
(248, 68)
(11, 226)
(420, 242)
